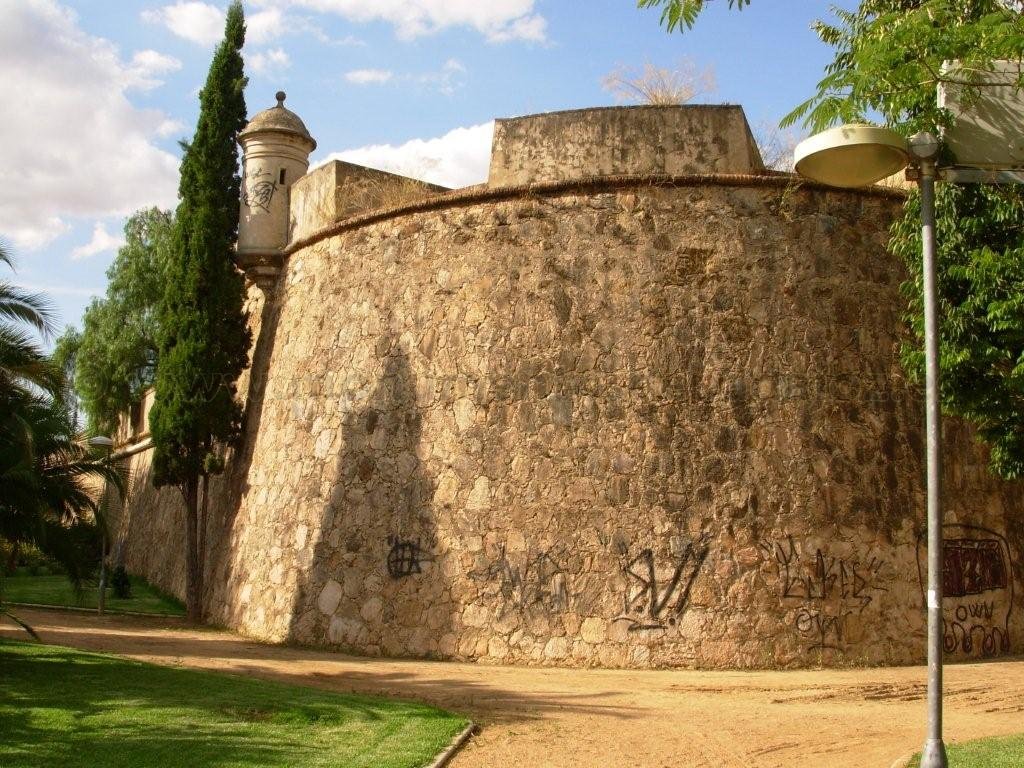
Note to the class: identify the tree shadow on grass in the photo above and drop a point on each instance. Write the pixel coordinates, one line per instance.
(67, 708)
(444, 684)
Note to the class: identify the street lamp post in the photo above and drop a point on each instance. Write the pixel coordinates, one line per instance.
(101, 441)
(987, 146)
(924, 147)
(855, 156)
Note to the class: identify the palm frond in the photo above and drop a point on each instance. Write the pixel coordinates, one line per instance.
(23, 363)
(20, 305)
(4, 611)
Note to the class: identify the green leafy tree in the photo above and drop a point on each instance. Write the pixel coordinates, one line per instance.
(115, 361)
(64, 358)
(889, 56)
(888, 64)
(203, 337)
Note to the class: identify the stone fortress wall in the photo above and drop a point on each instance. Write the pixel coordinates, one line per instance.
(643, 407)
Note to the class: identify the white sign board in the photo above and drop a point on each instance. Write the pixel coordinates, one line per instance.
(988, 131)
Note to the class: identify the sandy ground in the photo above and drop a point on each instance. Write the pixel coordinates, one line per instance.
(562, 717)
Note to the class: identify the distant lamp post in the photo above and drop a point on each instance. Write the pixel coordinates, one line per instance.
(101, 441)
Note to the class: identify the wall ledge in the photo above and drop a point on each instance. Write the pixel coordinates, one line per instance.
(593, 185)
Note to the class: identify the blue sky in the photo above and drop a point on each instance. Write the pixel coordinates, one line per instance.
(98, 93)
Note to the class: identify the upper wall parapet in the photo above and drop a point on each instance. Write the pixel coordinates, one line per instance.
(615, 141)
(549, 148)
(337, 190)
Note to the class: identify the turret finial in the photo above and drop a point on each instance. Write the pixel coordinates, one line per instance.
(280, 96)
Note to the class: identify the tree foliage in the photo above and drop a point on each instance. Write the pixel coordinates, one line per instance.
(23, 365)
(65, 358)
(682, 14)
(116, 358)
(48, 476)
(888, 63)
(889, 56)
(203, 337)
(981, 286)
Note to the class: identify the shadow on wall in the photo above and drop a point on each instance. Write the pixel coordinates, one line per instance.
(231, 487)
(150, 539)
(375, 584)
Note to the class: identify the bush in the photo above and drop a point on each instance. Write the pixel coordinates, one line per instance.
(120, 583)
(7, 563)
(27, 560)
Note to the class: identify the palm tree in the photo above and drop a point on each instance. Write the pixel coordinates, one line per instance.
(22, 363)
(47, 474)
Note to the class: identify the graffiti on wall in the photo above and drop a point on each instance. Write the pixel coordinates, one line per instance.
(536, 584)
(656, 597)
(829, 592)
(406, 557)
(259, 187)
(977, 589)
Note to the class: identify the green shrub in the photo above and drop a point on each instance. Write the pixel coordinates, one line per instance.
(120, 583)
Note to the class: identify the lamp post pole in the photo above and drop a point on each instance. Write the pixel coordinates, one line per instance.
(924, 147)
(856, 155)
(102, 441)
(101, 603)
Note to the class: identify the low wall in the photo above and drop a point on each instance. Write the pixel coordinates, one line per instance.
(625, 425)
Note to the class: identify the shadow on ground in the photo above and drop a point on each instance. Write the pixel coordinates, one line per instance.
(473, 694)
(118, 713)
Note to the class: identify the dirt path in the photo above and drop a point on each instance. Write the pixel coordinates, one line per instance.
(579, 718)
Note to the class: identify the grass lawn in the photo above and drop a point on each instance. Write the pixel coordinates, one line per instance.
(1002, 752)
(62, 707)
(56, 590)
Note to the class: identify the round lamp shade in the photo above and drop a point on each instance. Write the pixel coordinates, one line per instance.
(851, 155)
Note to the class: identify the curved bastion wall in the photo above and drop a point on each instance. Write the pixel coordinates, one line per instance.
(618, 422)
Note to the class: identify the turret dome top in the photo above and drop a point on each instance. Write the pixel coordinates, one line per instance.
(280, 120)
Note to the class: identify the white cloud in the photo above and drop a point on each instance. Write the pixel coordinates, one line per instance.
(146, 65)
(270, 62)
(458, 159)
(199, 22)
(532, 28)
(32, 233)
(496, 20)
(203, 23)
(305, 25)
(447, 79)
(264, 26)
(368, 76)
(169, 127)
(74, 146)
(101, 242)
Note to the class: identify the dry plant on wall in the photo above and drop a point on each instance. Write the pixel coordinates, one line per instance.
(776, 145)
(660, 85)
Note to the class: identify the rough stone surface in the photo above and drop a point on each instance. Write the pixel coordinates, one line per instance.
(580, 143)
(635, 427)
(330, 597)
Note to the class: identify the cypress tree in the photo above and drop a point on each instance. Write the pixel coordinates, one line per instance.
(203, 336)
